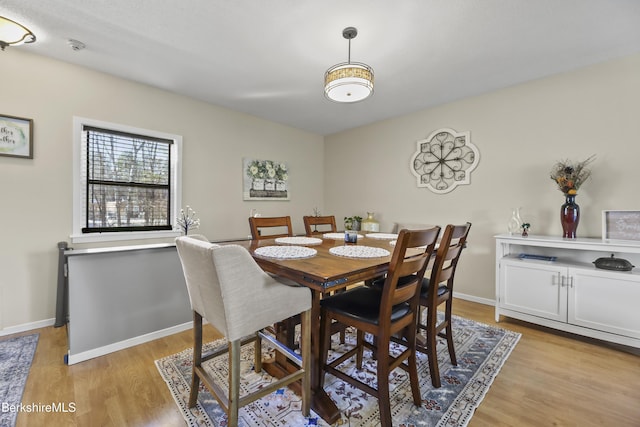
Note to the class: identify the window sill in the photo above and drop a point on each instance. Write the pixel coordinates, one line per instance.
(123, 236)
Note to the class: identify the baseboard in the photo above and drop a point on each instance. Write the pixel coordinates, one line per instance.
(472, 298)
(27, 327)
(101, 351)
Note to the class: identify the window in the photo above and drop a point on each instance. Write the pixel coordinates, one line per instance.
(125, 182)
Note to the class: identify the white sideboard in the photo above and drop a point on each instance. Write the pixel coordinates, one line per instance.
(569, 293)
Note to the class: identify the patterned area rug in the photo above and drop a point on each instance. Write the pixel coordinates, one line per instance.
(16, 355)
(481, 351)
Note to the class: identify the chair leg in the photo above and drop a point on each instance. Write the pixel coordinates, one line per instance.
(258, 354)
(234, 382)
(449, 329)
(383, 381)
(432, 351)
(413, 365)
(360, 346)
(197, 358)
(305, 350)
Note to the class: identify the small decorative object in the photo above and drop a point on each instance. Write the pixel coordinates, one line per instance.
(350, 236)
(265, 180)
(187, 220)
(569, 177)
(515, 222)
(352, 222)
(444, 160)
(613, 263)
(370, 223)
(525, 229)
(16, 137)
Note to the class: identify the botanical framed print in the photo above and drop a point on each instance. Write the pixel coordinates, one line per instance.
(16, 137)
(265, 180)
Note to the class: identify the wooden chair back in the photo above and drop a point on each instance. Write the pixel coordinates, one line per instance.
(257, 224)
(450, 247)
(327, 224)
(406, 270)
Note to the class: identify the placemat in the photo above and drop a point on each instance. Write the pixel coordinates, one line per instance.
(298, 240)
(285, 252)
(359, 252)
(382, 236)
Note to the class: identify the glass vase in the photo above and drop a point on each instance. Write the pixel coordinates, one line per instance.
(370, 223)
(569, 216)
(514, 222)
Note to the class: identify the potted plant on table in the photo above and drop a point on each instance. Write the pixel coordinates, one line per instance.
(352, 222)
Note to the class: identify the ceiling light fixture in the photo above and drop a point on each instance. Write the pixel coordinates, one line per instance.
(12, 33)
(348, 81)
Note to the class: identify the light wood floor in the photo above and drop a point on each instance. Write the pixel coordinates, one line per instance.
(550, 379)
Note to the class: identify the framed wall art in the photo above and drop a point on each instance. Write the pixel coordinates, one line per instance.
(444, 160)
(621, 225)
(265, 180)
(16, 137)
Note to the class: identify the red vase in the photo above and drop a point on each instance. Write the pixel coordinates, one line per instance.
(569, 216)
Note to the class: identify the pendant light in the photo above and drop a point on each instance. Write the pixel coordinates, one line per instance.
(348, 82)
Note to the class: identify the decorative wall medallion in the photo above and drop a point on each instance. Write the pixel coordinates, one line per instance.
(444, 160)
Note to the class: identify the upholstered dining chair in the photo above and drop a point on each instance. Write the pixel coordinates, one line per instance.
(327, 224)
(228, 289)
(259, 223)
(383, 313)
(436, 290)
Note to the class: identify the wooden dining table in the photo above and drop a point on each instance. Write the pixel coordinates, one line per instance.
(324, 273)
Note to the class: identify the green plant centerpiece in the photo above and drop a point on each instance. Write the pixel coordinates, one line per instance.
(352, 222)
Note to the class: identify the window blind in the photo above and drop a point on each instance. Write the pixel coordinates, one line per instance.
(128, 181)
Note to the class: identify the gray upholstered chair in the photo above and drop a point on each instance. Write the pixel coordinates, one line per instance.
(228, 289)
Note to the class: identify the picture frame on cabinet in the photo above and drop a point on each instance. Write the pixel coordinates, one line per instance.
(621, 225)
(16, 137)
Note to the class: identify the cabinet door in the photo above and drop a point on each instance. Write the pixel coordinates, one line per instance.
(605, 300)
(533, 288)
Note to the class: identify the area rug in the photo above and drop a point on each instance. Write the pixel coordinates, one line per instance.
(16, 355)
(481, 351)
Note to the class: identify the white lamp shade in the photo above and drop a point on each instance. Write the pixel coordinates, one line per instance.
(348, 82)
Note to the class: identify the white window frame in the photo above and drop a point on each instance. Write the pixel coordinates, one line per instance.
(79, 183)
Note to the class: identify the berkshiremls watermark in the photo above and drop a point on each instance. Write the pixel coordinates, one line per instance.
(35, 407)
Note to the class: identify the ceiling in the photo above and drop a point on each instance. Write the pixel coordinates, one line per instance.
(268, 58)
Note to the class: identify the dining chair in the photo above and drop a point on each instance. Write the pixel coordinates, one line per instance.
(228, 289)
(327, 224)
(436, 290)
(397, 226)
(259, 223)
(383, 313)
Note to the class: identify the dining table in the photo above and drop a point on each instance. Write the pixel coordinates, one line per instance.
(323, 263)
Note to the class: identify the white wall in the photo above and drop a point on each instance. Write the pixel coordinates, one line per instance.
(521, 132)
(36, 195)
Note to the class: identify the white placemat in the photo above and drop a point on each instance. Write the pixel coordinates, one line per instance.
(382, 236)
(337, 236)
(298, 240)
(359, 252)
(285, 252)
